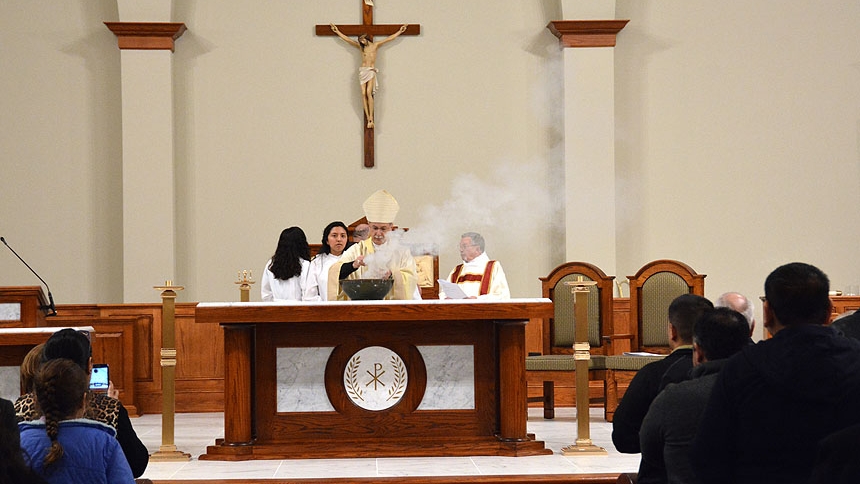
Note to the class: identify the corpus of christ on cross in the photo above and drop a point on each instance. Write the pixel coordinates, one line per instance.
(367, 72)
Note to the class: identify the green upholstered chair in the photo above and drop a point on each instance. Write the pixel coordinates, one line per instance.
(652, 289)
(555, 364)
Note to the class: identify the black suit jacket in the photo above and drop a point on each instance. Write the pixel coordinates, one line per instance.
(643, 389)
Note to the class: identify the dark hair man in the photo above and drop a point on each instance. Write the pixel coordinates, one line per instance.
(683, 312)
(673, 417)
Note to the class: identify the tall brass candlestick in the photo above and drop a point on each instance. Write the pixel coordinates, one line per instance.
(582, 355)
(168, 451)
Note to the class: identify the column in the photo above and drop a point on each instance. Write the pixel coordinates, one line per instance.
(149, 231)
(589, 131)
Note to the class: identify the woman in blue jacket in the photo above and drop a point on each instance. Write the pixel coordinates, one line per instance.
(63, 447)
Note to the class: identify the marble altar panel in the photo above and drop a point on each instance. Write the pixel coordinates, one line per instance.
(10, 311)
(10, 382)
(450, 377)
(301, 379)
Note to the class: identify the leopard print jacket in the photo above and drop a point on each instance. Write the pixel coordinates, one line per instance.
(100, 407)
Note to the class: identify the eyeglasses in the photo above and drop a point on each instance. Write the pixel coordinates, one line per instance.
(464, 247)
(762, 299)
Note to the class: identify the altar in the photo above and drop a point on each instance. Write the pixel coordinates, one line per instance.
(374, 378)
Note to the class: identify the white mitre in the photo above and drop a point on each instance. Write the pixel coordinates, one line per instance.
(380, 207)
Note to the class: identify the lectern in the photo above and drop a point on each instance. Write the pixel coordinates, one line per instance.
(22, 307)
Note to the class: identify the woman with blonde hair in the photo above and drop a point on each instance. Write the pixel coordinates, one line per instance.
(30, 366)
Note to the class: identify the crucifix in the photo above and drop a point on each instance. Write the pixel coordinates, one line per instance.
(368, 71)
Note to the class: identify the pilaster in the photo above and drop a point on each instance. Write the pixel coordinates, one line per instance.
(589, 138)
(149, 203)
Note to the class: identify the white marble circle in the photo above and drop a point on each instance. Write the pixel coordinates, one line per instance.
(375, 378)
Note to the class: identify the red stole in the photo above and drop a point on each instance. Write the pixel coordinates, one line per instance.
(456, 278)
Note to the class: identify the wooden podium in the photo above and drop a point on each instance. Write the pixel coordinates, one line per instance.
(457, 370)
(22, 307)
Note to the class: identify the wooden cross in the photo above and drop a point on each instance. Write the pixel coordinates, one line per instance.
(369, 29)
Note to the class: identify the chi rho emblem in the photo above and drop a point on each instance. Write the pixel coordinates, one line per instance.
(375, 378)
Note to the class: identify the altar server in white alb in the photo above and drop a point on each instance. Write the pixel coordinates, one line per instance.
(380, 256)
(478, 276)
(286, 272)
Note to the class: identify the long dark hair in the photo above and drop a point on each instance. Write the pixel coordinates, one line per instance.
(326, 249)
(292, 248)
(13, 467)
(60, 388)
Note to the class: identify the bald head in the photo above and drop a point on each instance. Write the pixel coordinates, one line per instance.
(738, 302)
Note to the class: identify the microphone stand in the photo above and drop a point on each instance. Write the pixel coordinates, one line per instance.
(50, 305)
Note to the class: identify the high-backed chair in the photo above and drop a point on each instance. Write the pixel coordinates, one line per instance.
(556, 363)
(652, 289)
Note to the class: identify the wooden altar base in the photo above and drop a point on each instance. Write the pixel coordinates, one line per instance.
(449, 447)
(476, 351)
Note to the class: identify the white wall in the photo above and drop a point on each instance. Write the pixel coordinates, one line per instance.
(60, 148)
(736, 137)
(271, 130)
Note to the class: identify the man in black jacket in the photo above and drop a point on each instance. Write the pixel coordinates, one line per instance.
(673, 417)
(683, 312)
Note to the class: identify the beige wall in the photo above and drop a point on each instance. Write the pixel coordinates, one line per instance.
(736, 137)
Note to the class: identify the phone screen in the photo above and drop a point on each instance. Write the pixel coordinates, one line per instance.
(99, 378)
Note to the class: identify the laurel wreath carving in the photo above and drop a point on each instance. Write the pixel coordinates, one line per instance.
(352, 387)
(399, 383)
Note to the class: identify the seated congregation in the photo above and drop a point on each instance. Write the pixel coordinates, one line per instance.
(730, 410)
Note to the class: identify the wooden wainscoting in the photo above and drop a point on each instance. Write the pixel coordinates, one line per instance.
(128, 338)
(113, 343)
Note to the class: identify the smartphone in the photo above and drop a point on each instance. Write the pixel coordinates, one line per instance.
(99, 380)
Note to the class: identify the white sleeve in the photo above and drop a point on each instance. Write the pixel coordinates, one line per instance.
(311, 291)
(266, 284)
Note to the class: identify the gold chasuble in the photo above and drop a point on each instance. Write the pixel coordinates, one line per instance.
(398, 260)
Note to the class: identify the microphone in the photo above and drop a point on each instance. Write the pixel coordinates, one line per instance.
(50, 296)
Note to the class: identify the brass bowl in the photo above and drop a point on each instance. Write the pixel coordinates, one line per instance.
(366, 289)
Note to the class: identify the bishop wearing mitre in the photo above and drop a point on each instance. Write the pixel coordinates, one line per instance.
(379, 256)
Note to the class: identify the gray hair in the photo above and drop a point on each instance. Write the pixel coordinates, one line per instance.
(476, 239)
(738, 302)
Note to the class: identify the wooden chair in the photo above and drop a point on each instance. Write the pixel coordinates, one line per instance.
(652, 289)
(556, 363)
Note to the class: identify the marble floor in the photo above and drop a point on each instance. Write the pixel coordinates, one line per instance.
(194, 431)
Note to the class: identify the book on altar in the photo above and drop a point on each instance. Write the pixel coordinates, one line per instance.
(451, 290)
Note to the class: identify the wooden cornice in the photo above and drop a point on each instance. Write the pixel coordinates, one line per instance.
(586, 33)
(146, 35)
